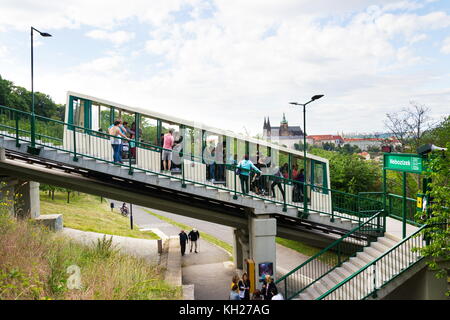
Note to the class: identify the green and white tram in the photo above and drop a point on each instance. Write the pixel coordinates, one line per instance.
(203, 151)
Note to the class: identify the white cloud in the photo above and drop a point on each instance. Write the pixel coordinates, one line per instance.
(446, 46)
(117, 37)
(3, 51)
(248, 59)
(55, 14)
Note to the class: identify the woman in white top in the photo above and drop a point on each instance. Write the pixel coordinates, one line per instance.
(116, 142)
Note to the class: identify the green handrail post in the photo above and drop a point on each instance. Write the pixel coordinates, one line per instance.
(374, 280)
(17, 129)
(285, 195)
(285, 287)
(235, 183)
(332, 206)
(339, 254)
(183, 182)
(75, 144)
(130, 168)
(404, 206)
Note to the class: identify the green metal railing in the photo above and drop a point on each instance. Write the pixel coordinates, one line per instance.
(368, 280)
(394, 206)
(332, 257)
(91, 144)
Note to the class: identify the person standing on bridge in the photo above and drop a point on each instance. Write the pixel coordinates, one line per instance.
(183, 240)
(277, 179)
(193, 236)
(167, 151)
(245, 167)
(116, 142)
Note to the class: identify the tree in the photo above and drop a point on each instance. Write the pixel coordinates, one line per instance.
(328, 146)
(438, 217)
(349, 173)
(439, 134)
(349, 149)
(409, 125)
(374, 149)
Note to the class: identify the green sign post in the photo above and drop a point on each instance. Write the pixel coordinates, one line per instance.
(404, 163)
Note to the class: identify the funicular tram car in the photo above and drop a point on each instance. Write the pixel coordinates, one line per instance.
(202, 150)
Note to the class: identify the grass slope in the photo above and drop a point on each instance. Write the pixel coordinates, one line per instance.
(86, 212)
(34, 266)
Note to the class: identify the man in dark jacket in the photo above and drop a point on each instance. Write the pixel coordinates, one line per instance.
(183, 240)
(194, 235)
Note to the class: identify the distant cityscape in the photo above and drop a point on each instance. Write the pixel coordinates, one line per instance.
(362, 143)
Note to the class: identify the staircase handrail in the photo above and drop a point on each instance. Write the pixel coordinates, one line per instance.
(374, 263)
(335, 245)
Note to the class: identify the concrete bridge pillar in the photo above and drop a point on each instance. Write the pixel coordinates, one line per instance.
(262, 233)
(21, 197)
(241, 250)
(28, 203)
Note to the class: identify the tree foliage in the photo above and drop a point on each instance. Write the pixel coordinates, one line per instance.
(20, 98)
(438, 212)
(349, 173)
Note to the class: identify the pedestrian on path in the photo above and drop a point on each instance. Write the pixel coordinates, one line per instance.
(183, 240)
(193, 236)
(244, 287)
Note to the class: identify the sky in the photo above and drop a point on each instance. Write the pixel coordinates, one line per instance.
(230, 63)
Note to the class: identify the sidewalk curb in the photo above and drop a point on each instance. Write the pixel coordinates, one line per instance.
(173, 274)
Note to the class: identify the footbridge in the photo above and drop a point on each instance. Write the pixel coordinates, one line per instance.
(353, 228)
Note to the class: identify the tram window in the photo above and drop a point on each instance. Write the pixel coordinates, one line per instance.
(165, 127)
(297, 165)
(78, 112)
(117, 114)
(95, 117)
(263, 156)
(283, 163)
(197, 147)
(105, 118)
(319, 172)
(253, 149)
(230, 147)
(241, 150)
(128, 117)
(214, 148)
(192, 143)
(148, 130)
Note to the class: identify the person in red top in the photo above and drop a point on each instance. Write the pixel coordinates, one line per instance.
(167, 152)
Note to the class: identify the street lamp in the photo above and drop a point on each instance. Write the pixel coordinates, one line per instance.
(305, 197)
(32, 148)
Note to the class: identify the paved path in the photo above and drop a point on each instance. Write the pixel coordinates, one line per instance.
(210, 270)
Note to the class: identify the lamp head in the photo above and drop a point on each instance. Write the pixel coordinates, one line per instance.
(45, 34)
(316, 97)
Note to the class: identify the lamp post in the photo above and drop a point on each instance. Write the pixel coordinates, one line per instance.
(32, 148)
(305, 197)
